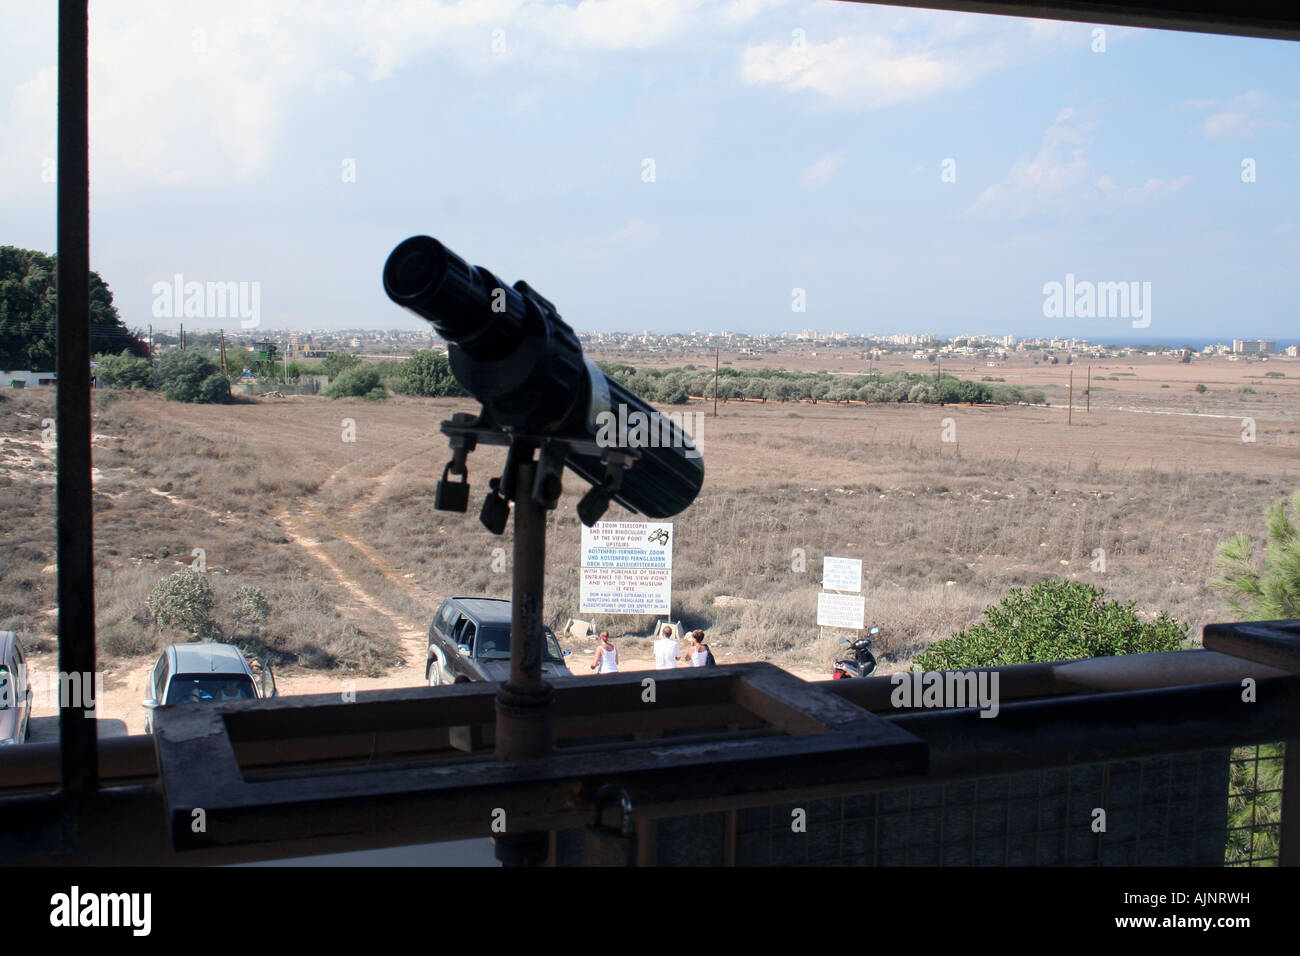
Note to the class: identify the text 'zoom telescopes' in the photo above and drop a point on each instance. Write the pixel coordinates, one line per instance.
(509, 348)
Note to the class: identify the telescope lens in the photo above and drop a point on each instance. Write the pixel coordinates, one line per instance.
(416, 268)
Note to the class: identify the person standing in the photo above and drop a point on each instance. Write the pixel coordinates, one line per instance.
(606, 661)
(701, 656)
(667, 651)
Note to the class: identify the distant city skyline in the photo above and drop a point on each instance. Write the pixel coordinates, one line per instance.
(710, 335)
(675, 164)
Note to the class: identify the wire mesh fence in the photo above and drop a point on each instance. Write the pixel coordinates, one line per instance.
(1216, 807)
(1255, 805)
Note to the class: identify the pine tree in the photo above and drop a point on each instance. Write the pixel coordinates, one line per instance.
(1267, 590)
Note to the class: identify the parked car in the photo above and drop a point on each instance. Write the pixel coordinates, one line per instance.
(205, 671)
(469, 640)
(15, 692)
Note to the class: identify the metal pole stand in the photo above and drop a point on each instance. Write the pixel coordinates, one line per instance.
(525, 702)
(532, 481)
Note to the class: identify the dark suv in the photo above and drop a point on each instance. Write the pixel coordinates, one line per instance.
(469, 640)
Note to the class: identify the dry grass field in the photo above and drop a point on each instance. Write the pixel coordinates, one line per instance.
(343, 538)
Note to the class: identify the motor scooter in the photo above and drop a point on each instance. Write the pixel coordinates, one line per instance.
(862, 663)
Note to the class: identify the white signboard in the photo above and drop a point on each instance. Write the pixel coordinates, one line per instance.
(841, 610)
(842, 574)
(627, 567)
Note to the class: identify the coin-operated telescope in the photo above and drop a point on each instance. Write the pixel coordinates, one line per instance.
(511, 350)
(554, 408)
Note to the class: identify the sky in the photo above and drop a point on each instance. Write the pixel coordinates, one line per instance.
(674, 165)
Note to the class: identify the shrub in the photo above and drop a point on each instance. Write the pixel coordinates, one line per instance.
(1054, 620)
(354, 382)
(124, 371)
(1201, 389)
(334, 365)
(251, 607)
(124, 640)
(215, 389)
(184, 601)
(185, 375)
(427, 373)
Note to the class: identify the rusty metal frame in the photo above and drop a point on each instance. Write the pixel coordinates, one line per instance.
(812, 737)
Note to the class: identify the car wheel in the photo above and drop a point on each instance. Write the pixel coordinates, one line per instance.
(434, 675)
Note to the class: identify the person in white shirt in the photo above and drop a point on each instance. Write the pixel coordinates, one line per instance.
(667, 651)
(701, 656)
(606, 661)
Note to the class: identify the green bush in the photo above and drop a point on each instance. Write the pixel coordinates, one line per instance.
(251, 607)
(1055, 620)
(185, 375)
(215, 389)
(124, 371)
(184, 601)
(338, 363)
(354, 382)
(427, 373)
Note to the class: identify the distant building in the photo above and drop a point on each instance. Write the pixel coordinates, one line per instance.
(1254, 347)
(1293, 351)
(26, 379)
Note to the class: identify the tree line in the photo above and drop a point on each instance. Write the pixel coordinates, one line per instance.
(675, 386)
(28, 333)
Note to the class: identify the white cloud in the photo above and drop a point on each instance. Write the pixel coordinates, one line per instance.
(183, 94)
(1060, 180)
(820, 172)
(868, 71)
(1240, 118)
(1051, 180)
(907, 56)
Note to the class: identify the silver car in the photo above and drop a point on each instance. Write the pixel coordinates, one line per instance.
(15, 692)
(204, 671)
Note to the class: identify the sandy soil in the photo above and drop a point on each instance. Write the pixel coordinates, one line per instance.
(1133, 424)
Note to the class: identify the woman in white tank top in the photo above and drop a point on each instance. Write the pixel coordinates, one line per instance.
(699, 650)
(606, 656)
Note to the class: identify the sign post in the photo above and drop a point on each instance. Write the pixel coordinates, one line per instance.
(835, 608)
(627, 567)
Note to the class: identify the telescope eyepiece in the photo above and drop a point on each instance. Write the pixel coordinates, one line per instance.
(423, 275)
(415, 269)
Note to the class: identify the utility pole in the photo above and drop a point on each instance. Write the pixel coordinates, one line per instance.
(182, 336)
(1069, 413)
(224, 373)
(151, 344)
(717, 354)
(1087, 392)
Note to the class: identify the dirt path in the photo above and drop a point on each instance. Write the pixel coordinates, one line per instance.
(304, 529)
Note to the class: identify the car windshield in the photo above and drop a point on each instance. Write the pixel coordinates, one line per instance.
(493, 644)
(187, 689)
